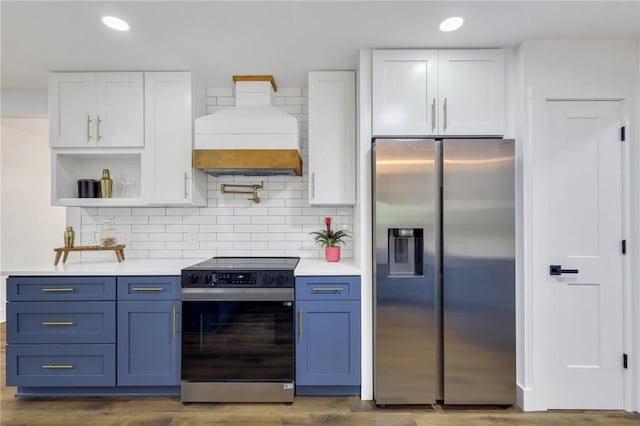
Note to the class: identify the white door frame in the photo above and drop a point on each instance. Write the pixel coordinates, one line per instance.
(531, 396)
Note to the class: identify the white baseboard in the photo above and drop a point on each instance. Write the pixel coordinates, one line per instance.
(527, 400)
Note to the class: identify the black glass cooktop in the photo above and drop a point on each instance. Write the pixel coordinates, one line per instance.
(247, 264)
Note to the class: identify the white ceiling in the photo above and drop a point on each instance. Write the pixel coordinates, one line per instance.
(218, 39)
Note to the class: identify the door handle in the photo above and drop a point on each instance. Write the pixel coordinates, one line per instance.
(557, 270)
(444, 119)
(98, 121)
(433, 115)
(300, 323)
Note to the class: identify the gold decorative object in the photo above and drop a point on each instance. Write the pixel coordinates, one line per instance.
(106, 184)
(253, 190)
(69, 236)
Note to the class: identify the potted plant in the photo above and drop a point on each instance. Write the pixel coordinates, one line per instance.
(330, 240)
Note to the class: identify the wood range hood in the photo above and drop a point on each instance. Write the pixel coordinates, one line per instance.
(252, 138)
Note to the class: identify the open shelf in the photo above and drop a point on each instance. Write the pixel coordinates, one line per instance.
(70, 166)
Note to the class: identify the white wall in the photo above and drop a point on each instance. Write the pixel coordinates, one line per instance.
(24, 102)
(230, 225)
(589, 68)
(30, 227)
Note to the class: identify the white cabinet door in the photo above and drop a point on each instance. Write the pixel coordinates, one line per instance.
(167, 173)
(332, 138)
(119, 116)
(471, 92)
(96, 109)
(404, 92)
(72, 101)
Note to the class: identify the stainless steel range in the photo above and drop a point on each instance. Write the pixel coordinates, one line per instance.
(238, 330)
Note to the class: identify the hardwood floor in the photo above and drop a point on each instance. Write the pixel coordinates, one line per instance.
(304, 411)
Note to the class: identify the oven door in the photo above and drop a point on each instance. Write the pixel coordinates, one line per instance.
(238, 341)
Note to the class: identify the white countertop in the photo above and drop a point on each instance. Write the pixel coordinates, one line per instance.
(306, 267)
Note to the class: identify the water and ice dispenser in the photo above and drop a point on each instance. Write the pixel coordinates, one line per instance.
(405, 252)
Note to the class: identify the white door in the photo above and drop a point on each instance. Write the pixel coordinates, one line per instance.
(471, 92)
(72, 103)
(166, 160)
(577, 209)
(404, 92)
(119, 117)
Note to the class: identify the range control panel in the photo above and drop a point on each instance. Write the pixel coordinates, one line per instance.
(253, 279)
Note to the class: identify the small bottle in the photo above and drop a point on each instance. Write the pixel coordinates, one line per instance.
(69, 236)
(106, 184)
(108, 237)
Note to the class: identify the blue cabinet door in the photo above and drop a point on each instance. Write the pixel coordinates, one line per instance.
(328, 343)
(148, 345)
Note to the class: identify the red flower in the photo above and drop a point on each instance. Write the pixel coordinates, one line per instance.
(327, 222)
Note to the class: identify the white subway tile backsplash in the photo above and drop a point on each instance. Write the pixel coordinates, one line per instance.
(147, 245)
(114, 211)
(199, 220)
(165, 236)
(147, 228)
(216, 228)
(288, 91)
(230, 225)
(255, 211)
(182, 245)
(234, 220)
(216, 245)
(181, 211)
(148, 211)
(250, 228)
(219, 91)
(234, 236)
(165, 220)
(260, 220)
(267, 236)
(182, 228)
(139, 220)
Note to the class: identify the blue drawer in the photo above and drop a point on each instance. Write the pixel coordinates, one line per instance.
(27, 289)
(61, 365)
(61, 322)
(328, 288)
(149, 288)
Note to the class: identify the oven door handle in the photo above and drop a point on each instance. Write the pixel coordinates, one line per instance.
(237, 294)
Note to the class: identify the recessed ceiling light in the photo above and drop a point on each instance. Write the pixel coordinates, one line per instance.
(115, 23)
(451, 24)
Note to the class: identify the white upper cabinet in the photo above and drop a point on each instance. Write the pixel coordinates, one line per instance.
(471, 92)
(404, 92)
(438, 92)
(96, 110)
(167, 173)
(332, 138)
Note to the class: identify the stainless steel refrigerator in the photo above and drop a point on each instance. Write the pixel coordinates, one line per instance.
(444, 279)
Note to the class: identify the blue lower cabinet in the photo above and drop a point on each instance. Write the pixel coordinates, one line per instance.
(79, 336)
(328, 347)
(61, 365)
(148, 343)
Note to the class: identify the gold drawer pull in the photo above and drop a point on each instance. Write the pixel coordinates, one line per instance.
(58, 323)
(147, 289)
(331, 289)
(54, 290)
(58, 367)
